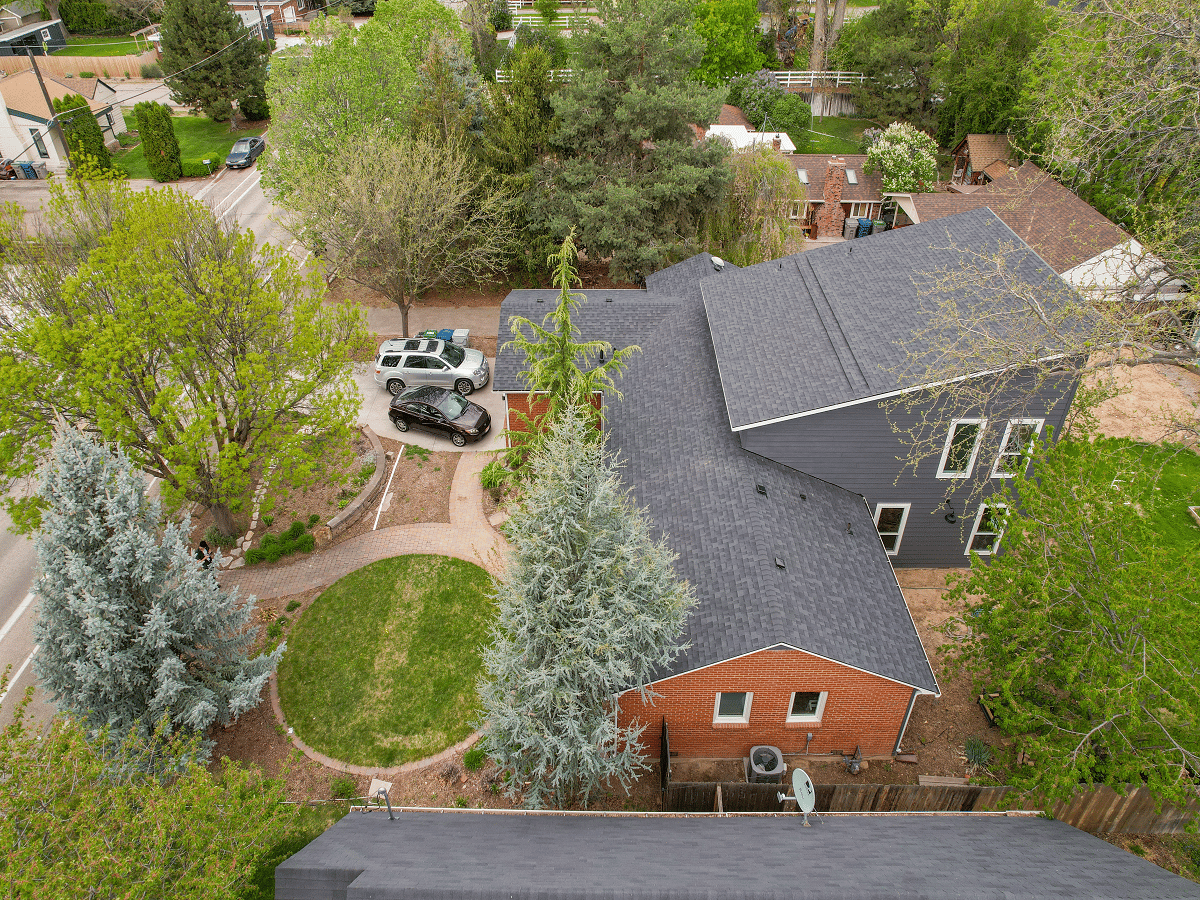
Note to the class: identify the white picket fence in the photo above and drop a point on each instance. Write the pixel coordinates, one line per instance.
(504, 76)
(791, 79)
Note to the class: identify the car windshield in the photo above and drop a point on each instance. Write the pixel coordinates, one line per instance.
(241, 146)
(453, 354)
(453, 406)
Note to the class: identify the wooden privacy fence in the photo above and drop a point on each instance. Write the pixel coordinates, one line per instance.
(1099, 810)
(107, 67)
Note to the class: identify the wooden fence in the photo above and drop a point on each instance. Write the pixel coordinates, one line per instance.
(1103, 809)
(107, 67)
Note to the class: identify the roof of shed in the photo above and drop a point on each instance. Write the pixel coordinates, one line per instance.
(504, 856)
(1064, 229)
(840, 319)
(985, 149)
(836, 596)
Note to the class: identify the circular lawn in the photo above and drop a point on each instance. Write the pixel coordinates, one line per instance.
(381, 669)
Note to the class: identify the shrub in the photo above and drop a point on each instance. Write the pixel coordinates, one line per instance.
(217, 538)
(254, 108)
(294, 531)
(87, 74)
(272, 546)
(494, 476)
(756, 96)
(274, 631)
(500, 17)
(792, 115)
(159, 144)
(293, 605)
(343, 788)
(82, 131)
(152, 70)
(474, 758)
(195, 168)
(268, 521)
(313, 519)
(978, 753)
(89, 17)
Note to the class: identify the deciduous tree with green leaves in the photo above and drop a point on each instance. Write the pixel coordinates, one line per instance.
(590, 606)
(905, 157)
(1085, 625)
(212, 58)
(626, 170)
(730, 32)
(146, 321)
(93, 817)
(133, 631)
(754, 224)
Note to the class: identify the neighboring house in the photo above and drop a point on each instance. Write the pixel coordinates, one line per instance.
(982, 158)
(499, 855)
(39, 38)
(752, 434)
(261, 26)
(740, 137)
(1091, 253)
(279, 10)
(19, 13)
(25, 132)
(836, 188)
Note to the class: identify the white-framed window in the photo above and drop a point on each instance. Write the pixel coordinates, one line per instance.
(962, 446)
(807, 706)
(890, 519)
(851, 177)
(987, 530)
(862, 210)
(39, 143)
(802, 174)
(796, 210)
(1019, 436)
(732, 706)
(45, 34)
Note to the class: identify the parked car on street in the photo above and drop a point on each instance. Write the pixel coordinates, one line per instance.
(245, 152)
(440, 410)
(410, 362)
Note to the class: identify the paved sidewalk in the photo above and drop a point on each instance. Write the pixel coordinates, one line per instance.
(468, 536)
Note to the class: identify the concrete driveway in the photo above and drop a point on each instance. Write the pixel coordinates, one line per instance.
(374, 413)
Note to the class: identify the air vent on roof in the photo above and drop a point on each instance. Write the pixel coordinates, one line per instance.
(608, 299)
(804, 496)
(540, 300)
(851, 177)
(849, 528)
(779, 563)
(718, 263)
(761, 488)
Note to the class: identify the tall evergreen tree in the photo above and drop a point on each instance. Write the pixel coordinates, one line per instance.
(82, 131)
(194, 30)
(627, 170)
(589, 607)
(131, 628)
(159, 144)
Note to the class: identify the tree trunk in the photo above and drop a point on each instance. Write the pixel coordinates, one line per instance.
(404, 308)
(223, 519)
(839, 19)
(816, 58)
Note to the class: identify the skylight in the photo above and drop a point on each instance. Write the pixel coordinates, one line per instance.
(802, 174)
(851, 177)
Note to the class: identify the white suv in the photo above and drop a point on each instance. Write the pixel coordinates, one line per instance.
(409, 362)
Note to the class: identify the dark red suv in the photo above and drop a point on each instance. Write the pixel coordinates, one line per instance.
(441, 410)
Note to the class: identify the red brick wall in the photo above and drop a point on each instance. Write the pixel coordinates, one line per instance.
(831, 216)
(519, 403)
(861, 710)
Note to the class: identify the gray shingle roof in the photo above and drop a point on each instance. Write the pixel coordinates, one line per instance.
(830, 325)
(621, 317)
(837, 596)
(488, 855)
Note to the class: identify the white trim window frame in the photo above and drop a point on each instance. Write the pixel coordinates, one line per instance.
(1004, 452)
(942, 472)
(743, 718)
(898, 534)
(815, 717)
(996, 509)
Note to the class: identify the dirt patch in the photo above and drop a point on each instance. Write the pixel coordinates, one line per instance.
(1150, 397)
(419, 492)
(1174, 852)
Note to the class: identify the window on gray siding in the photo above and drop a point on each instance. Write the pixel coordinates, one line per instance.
(890, 519)
(962, 446)
(1018, 439)
(987, 531)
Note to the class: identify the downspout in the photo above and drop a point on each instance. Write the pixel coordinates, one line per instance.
(903, 725)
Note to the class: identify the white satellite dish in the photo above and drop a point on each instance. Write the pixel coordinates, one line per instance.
(806, 794)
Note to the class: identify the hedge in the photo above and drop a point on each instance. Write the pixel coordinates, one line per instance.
(272, 546)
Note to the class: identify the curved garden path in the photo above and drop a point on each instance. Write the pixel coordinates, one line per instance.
(467, 536)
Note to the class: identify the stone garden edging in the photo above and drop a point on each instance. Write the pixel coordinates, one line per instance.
(350, 768)
(355, 507)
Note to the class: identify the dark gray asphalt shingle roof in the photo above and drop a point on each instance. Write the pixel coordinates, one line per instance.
(837, 596)
(621, 317)
(830, 325)
(458, 854)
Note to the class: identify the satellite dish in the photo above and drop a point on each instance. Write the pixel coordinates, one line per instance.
(806, 794)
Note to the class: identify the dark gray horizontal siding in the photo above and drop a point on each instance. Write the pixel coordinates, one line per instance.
(856, 447)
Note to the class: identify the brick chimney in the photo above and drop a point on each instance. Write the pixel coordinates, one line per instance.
(776, 143)
(830, 216)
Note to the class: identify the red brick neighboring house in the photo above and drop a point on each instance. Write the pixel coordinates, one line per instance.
(836, 188)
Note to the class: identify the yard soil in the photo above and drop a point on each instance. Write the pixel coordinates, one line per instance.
(1150, 396)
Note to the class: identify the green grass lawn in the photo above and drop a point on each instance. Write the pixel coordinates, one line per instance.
(834, 134)
(99, 45)
(199, 138)
(381, 669)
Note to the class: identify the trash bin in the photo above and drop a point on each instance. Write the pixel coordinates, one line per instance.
(429, 334)
(864, 227)
(878, 225)
(849, 229)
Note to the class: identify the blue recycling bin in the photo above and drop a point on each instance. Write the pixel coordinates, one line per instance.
(864, 227)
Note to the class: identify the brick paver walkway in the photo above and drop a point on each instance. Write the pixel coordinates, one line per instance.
(468, 536)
